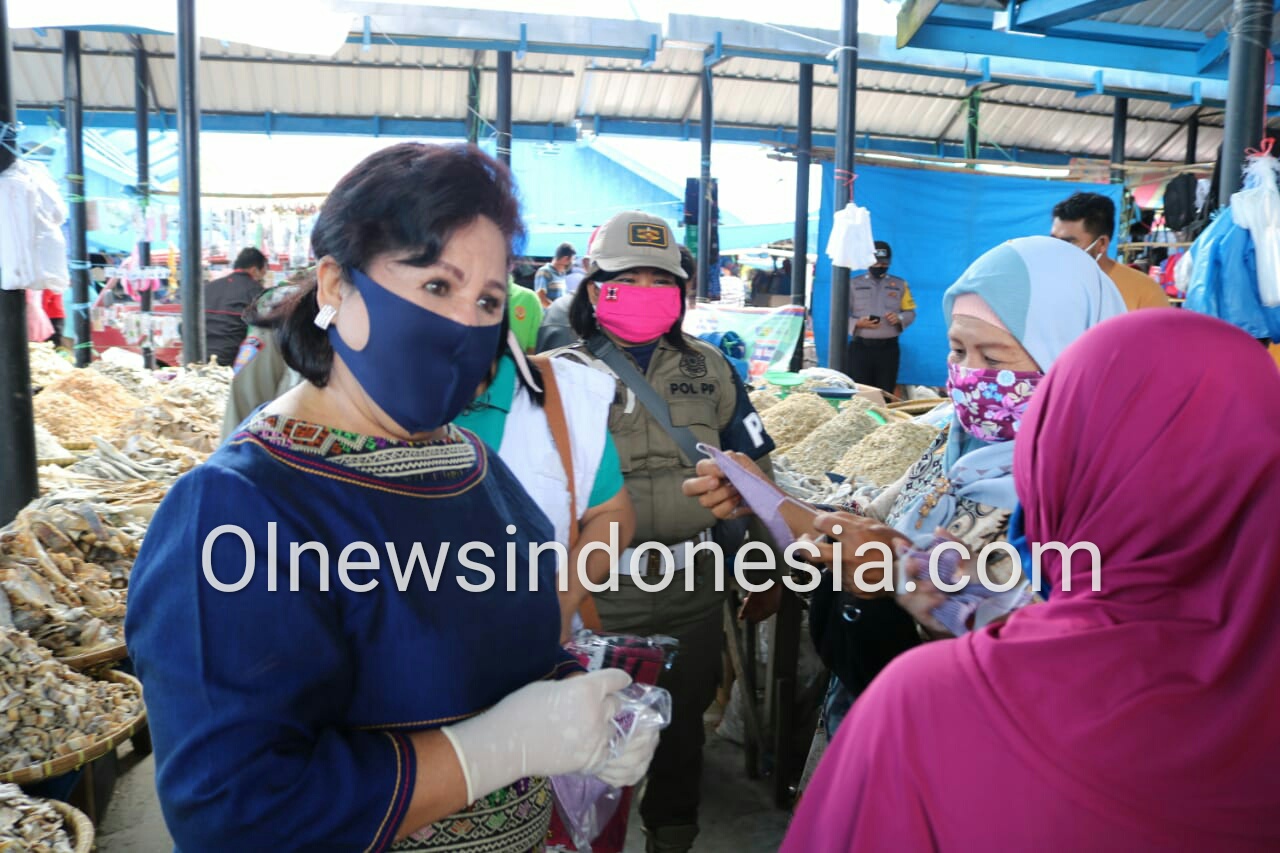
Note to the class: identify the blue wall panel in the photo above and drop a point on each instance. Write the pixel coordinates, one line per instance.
(937, 223)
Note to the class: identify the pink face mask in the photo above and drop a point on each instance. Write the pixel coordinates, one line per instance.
(637, 314)
(989, 403)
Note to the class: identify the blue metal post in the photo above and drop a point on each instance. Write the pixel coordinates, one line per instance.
(188, 55)
(800, 239)
(1119, 134)
(142, 139)
(504, 106)
(704, 188)
(73, 106)
(846, 132)
(1246, 78)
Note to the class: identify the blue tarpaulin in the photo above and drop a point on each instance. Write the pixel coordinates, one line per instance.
(937, 223)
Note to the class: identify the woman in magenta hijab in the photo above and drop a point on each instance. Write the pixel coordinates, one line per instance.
(1139, 717)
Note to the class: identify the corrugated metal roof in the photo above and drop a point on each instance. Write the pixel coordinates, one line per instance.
(400, 80)
(1201, 16)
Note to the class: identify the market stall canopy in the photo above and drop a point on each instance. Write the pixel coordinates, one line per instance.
(405, 69)
(290, 26)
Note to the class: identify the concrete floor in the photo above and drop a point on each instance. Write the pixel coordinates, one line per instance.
(738, 815)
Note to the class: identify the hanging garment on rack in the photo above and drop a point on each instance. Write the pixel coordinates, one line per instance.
(1224, 279)
(1180, 201)
(33, 252)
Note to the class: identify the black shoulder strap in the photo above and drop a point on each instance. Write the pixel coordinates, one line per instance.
(603, 349)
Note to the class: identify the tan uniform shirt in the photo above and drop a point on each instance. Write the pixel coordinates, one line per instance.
(700, 393)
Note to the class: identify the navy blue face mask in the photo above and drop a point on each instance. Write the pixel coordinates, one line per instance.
(421, 368)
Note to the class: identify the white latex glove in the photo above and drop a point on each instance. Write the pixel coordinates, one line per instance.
(547, 728)
(630, 767)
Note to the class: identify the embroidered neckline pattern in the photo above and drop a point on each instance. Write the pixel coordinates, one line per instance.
(436, 468)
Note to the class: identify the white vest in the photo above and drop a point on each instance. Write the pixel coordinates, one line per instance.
(531, 454)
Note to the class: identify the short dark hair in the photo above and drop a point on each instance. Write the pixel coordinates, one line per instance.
(1096, 212)
(250, 259)
(565, 250)
(582, 314)
(406, 196)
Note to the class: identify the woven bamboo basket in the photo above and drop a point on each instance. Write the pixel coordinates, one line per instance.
(96, 656)
(55, 767)
(77, 824)
(918, 407)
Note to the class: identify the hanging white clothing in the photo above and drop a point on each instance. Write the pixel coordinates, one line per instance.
(33, 251)
(851, 245)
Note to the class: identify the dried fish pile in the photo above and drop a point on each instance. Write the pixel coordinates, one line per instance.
(789, 422)
(46, 364)
(819, 452)
(886, 454)
(72, 421)
(64, 570)
(763, 399)
(48, 447)
(95, 390)
(81, 404)
(108, 462)
(62, 484)
(31, 824)
(815, 490)
(187, 410)
(48, 710)
(136, 380)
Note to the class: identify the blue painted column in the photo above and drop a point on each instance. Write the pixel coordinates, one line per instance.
(73, 107)
(192, 280)
(704, 188)
(846, 132)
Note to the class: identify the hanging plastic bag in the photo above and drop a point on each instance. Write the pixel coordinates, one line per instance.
(586, 804)
(1257, 209)
(851, 244)
(643, 658)
(1183, 271)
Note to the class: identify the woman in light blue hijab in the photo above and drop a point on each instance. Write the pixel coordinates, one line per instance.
(1009, 316)
(1041, 294)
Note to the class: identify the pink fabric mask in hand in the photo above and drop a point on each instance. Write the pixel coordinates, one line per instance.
(637, 314)
(989, 403)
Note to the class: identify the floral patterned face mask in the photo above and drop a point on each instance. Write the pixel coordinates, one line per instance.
(990, 403)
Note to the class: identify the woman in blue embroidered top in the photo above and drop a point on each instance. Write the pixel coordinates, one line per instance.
(320, 671)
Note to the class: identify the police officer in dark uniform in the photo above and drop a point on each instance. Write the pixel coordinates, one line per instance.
(880, 308)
